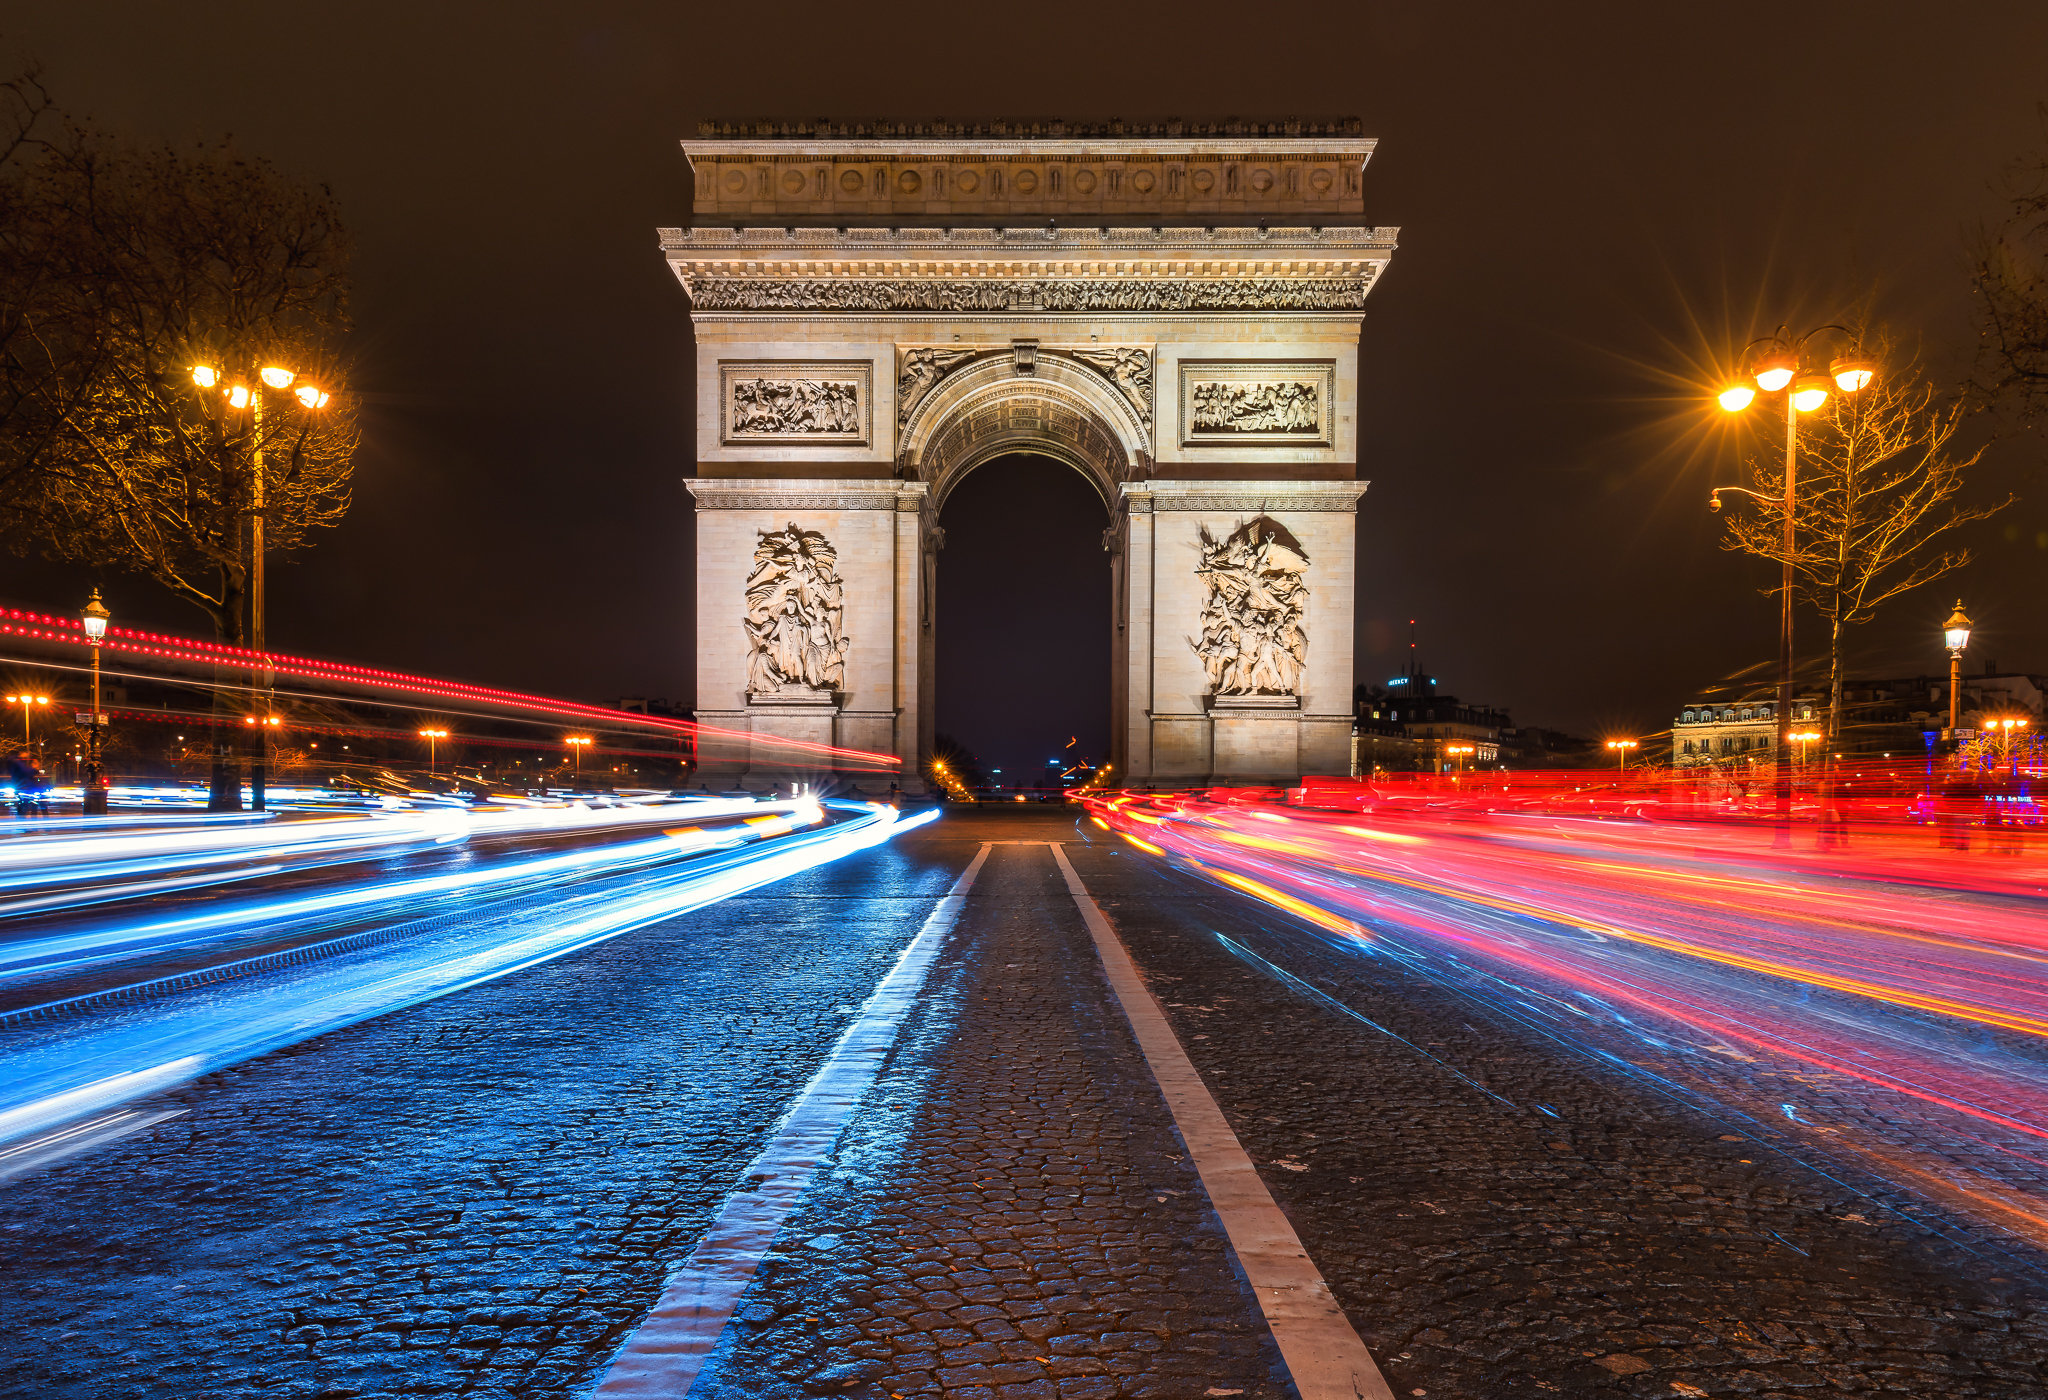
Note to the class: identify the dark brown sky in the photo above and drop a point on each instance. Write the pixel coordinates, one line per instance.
(1592, 198)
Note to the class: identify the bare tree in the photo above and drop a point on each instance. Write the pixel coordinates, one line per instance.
(2009, 275)
(144, 293)
(1876, 513)
(169, 260)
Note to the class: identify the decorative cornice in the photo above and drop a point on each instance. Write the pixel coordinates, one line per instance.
(1108, 294)
(1169, 241)
(1146, 497)
(1038, 131)
(771, 493)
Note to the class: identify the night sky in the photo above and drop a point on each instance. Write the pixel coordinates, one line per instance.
(1596, 202)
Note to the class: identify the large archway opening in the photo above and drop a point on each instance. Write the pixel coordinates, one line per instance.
(1023, 620)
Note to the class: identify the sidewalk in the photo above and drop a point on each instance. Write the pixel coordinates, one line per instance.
(1032, 1226)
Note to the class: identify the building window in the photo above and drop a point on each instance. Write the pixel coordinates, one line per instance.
(1688, 746)
(1688, 720)
(1745, 714)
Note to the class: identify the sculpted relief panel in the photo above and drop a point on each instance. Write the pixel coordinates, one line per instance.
(795, 603)
(795, 403)
(1277, 402)
(1253, 641)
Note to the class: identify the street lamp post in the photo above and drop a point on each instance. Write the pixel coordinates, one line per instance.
(433, 737)
(1620, 748)
(28, 704)
(1778, 368)
(2005, 728)
(95, 618)
(1955, 634)
(576, 746)
(250, 396)
(1459, 752)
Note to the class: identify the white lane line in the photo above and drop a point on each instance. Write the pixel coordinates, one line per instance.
(1324, 1353)
(661, 1359)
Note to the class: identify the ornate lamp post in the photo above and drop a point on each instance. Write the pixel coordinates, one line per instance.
(1778, 366)
(95, 618)
(1458, 753)
(433, 736)
(1955, 635)
(250, 397)
(1620, 748)
(577, 745)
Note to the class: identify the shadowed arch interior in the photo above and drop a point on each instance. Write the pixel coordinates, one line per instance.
(1023, 616)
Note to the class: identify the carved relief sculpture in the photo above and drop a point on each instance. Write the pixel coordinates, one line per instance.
(795, 602)
(1287, 406)
(1271, 403)
(795, 403)
(1130, 368)
(772, 407)
(923, 368)
(1252, 641)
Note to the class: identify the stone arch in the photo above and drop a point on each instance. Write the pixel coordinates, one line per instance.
(1061, 409)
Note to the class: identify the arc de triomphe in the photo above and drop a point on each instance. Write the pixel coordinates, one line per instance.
(1171, 309)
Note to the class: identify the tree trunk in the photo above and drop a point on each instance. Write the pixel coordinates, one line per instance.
(1835, 674)
(225, 794)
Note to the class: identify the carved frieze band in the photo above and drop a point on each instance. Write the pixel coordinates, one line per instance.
(1144, 499)
(817, 294)
(714, 493)
(778, 401)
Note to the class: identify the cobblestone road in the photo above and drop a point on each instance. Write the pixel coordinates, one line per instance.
(478, 1196)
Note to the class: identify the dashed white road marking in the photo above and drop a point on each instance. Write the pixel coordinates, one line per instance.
(661, 1359)
(1324, 1353)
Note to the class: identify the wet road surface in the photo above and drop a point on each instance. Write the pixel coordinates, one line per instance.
(481, 1195)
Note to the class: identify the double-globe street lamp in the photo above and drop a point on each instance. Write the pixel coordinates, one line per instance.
(1620, 748)
(1781, 365)
(433, 737)
(249, 396)
(28, 714)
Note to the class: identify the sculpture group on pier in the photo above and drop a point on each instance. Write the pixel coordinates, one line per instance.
(795, 604)
(1253, 641)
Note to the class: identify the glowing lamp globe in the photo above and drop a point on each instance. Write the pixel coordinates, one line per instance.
(1852, 374)
(310, 396)
(95, 617)
(1810, 393)
(1775, 373)
(205, 376)
(238, 397)
(276, 378)
(1736, 397)
(1956, 631)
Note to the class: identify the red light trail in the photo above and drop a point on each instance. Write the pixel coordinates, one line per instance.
(1879, 998)
(171, 648)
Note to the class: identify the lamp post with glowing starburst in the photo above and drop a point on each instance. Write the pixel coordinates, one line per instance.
(1780, 363)
(242, 396)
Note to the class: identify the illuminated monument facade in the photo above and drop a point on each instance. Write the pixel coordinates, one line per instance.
(1172, 310)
